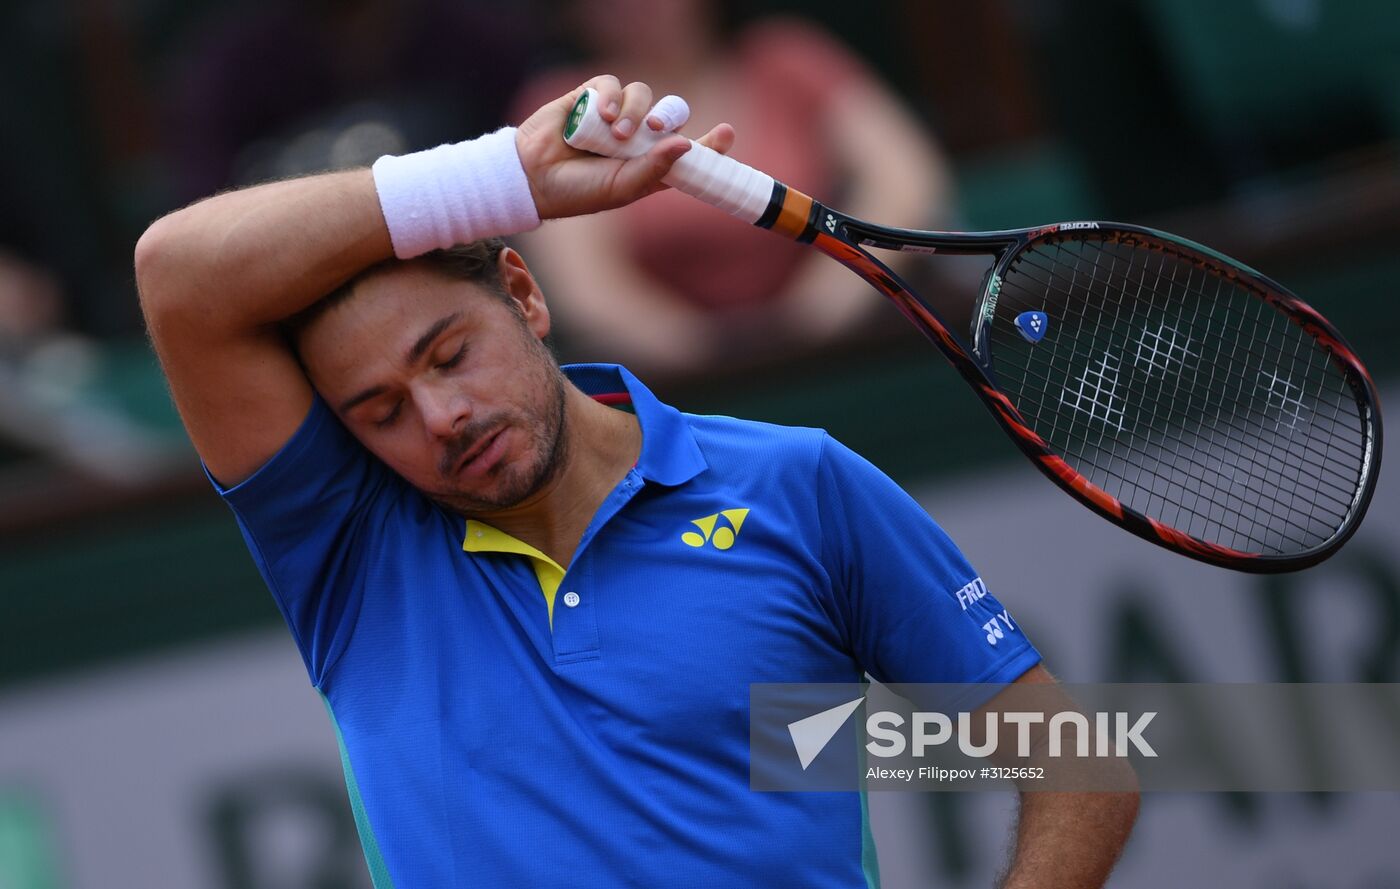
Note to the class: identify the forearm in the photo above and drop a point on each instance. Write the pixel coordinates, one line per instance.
(246, 259)
(259, 255)
(1069, 840)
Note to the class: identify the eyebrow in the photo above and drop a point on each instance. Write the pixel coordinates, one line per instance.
(426, 340)
(354, 400)
(414, 353)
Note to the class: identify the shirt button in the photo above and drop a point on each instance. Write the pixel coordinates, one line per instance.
(571, 599)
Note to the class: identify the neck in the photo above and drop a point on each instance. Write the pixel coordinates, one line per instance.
(602, 445)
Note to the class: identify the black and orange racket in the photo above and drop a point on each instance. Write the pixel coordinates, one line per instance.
(1172, 390)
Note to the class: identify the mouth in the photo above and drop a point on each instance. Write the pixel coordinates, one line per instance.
(483, 455)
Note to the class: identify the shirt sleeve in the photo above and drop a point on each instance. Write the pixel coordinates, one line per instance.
(305, 515)
(914, 610)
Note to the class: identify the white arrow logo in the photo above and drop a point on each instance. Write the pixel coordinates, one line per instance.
(811, 735)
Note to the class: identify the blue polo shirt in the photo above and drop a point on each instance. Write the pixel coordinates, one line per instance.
(506, 722)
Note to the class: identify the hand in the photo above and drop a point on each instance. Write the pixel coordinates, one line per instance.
(567, 182)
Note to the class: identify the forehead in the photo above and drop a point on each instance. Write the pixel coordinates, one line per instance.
(397, 286)
(383, 316)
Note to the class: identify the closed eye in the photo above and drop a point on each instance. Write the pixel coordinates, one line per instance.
(390, 417)
(454, 360)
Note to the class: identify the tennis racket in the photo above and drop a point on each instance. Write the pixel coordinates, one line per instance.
(1174, 391)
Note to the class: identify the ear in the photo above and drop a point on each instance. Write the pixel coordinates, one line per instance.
(522, 287)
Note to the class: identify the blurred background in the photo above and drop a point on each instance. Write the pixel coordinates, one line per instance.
(156, 727)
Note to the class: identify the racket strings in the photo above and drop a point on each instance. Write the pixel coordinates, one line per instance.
(1181, 393)
(1096, 273)
(1234, 443)
(1140, 462)
(1261, 312)
(1176, 463)
(1236, 349)
(1236, 431)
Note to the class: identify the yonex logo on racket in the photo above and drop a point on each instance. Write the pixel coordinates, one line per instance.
(721, 535)
(989, 306)
(1166, 351)
(1281, 396)
(1032, 325)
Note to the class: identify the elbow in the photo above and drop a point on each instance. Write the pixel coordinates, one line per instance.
(152, 249)
(1120, 806)
(1123, 796)
(158, 260)
(1126, 806)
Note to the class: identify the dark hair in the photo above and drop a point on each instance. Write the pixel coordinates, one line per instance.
(477, 262)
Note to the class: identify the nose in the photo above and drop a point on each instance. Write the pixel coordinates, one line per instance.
(445, 410)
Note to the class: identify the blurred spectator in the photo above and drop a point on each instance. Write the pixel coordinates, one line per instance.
(31, 307)
(73, 134)
(50, 385)
(670, 286)
(312, 85)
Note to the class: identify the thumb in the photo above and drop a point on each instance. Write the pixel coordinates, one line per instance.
(640, 176)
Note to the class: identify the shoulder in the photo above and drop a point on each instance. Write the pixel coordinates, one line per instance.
(724, 431)
(796, 459)
(753, 446)
(321, 480)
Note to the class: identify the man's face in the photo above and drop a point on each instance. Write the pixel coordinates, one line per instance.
(448, 384)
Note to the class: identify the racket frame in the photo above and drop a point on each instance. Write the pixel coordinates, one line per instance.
(846, 239)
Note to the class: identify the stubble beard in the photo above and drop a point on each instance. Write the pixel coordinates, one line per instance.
(547, 431)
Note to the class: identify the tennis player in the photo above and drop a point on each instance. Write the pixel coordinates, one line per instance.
(533, 598)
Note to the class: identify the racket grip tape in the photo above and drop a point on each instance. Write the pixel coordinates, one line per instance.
(701, 172)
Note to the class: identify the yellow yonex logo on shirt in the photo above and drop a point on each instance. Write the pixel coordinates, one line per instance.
(722, 537)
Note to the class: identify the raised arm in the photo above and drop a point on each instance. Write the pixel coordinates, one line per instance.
(218, 277)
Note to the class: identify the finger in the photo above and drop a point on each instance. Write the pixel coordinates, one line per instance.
(642, 175)
(668, 115)
(636, 99)
(721, 138)
(609, 95)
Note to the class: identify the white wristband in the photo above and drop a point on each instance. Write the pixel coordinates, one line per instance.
(454, 194)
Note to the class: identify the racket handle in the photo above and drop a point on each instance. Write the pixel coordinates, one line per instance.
(701, 172)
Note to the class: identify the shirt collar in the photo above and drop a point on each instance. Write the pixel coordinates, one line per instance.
(670, 455)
